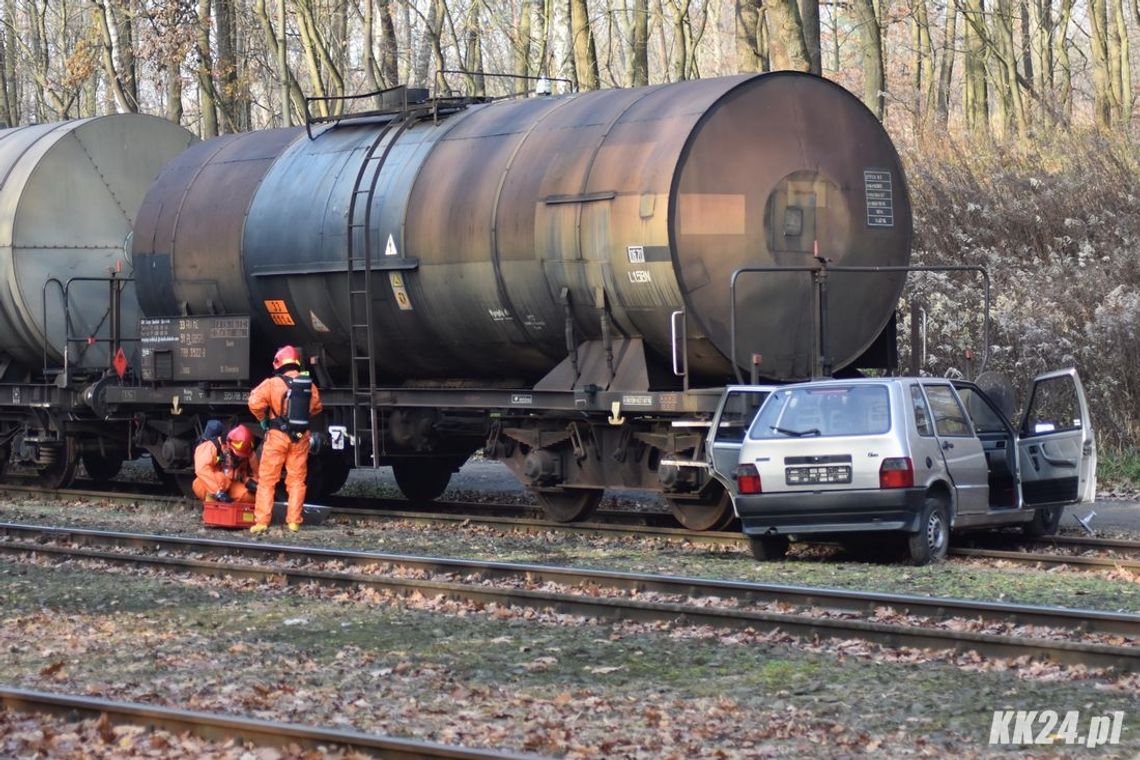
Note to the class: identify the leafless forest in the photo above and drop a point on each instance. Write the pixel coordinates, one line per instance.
(1000, 68)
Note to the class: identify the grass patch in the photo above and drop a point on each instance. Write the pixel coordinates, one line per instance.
(1118, 468)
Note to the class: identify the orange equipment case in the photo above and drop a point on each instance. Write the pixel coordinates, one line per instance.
(227, 515)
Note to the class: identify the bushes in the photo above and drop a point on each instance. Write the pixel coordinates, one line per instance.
(1057, 224)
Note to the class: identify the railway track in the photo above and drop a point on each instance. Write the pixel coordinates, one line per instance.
(1118, 554)
(214, 726)
(1057, 634)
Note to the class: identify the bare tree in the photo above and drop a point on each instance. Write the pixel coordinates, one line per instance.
(871, 50)
(786, 46)
(583, 48)
(115, 30)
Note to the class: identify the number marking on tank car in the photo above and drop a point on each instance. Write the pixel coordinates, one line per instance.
(640, 276)
(279, 313)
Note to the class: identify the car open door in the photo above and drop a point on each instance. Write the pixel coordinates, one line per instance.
(1056, 450)
(730, 424)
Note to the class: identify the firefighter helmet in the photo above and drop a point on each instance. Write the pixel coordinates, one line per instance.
(286, 355)
(241, 441)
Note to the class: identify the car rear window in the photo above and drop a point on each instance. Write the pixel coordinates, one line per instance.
(832, 410)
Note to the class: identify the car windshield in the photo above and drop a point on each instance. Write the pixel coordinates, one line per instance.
(823, 411)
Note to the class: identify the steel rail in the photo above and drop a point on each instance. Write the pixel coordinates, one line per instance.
(635, 524)
(1092, 654)
(630, 524)
(216, 726)
(1052, 560)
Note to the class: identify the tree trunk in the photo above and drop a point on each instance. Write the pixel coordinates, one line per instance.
(1064, 66)
(120, 80)
(1103, 106)
(871, 48)
(1124, 65)
(230, 98)
(521, 47)
(786, 45)
(273, 46)
(946, 64)
(974, 89)
(173, 80)
(639, 52)
(207, 96)
(583, 47)
(923, 65)
(473, 54)
(749, 55)
(809, 13)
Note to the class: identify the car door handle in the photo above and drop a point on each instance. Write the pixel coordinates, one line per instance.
(947, 445)
(1055, 461)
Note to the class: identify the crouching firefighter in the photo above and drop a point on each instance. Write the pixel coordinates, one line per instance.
(284, 404)
(225, 467)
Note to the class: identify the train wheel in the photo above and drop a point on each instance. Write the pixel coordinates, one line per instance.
(713, 511)
(423, 479)
(568, 504)
(101, 467)
(57, 465)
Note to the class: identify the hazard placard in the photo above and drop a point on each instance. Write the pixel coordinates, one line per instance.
(279, 313)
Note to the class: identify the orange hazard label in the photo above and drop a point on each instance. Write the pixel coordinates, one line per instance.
(279, 313)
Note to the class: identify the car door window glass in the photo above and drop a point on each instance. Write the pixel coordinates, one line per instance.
(949, 416)
(739, 409)
(921, 413)
(1054, 408)
(986, 419)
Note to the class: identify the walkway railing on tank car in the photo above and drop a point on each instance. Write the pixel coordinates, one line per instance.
(390, 101)
(112, 318)
(542, 83)
(822, 364)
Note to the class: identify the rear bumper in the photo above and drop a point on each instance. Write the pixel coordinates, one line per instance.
(818, 512)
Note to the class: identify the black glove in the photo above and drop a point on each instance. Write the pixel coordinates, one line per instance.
(222, 497)
(251, 485)
(317, 442)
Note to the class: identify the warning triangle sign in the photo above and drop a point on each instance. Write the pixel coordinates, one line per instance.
(390, 249)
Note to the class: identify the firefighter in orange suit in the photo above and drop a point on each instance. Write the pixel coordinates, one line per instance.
(284, 404)
(225, 468)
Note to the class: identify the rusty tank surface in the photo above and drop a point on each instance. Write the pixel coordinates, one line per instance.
(69, 194)
(508, 232)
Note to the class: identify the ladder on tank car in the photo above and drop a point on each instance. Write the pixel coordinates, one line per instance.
(361, 332)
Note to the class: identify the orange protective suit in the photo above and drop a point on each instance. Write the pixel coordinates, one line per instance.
(280, 449)
(217, 468)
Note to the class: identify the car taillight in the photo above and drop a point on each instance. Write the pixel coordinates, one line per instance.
(747, 479)
(897, 472)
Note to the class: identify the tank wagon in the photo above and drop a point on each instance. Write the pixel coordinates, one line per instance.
(547, 279)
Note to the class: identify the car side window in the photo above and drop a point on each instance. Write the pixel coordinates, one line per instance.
(921, 412)
(949, 416)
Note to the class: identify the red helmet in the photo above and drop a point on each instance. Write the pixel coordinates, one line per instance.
(286, 355)
(241, 441)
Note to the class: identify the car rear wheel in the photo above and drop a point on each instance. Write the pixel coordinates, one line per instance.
(932, 540)
(768, 548)
(1044, 522)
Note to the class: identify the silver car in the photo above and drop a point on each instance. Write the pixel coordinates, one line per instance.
(916, 456)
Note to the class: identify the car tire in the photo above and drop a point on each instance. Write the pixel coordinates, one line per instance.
(1044, 523)
(768, 548)
(932, 540)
